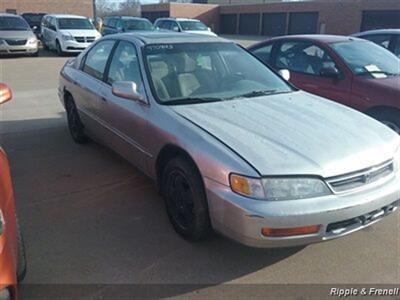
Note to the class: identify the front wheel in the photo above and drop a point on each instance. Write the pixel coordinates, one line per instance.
(185, 199)
(390, 118)
(60, 52)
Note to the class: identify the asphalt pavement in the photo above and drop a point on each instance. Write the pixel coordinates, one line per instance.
(89, 217)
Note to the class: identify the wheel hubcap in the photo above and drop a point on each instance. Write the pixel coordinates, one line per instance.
(180, 200)
(392, 126)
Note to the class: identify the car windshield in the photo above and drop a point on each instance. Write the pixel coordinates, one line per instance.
(204, 72)
(193, 25)
(13, 23)
(367, 58)
(132, 25)
(74, 23)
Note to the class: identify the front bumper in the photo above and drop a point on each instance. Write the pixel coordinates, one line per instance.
(28, 49)
(73, 46)
(242, 219)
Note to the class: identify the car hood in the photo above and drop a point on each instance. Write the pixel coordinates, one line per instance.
(295, 134)
(16, 34)
(203, 32)
(80, 32)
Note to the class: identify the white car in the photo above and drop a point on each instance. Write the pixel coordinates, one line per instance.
(68, 33)
(184, 25)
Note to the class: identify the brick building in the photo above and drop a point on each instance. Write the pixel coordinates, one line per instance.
(281, 17)
(78, 7)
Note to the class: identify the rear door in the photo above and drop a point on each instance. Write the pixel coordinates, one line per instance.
(305, 60)
(127, 119)
(90, 85)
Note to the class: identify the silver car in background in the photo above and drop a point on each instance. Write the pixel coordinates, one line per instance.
(231, 145)
(16, 37)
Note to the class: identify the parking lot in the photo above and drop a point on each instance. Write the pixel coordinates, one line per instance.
(89, 217)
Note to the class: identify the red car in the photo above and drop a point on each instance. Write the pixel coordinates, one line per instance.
(348, 70)
(12, 250)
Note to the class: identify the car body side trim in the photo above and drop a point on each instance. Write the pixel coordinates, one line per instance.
(117, 132)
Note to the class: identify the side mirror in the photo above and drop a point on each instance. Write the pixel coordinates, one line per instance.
(34, 28)
(127, 90)
(285, 74)
(330, 72)
(5, 93)
(175, 28)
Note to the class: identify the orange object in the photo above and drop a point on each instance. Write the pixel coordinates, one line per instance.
(282, 232)
(5, 93)
(8, 226)
(240, 185)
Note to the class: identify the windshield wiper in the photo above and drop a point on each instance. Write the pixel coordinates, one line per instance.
(258, 93)
(192, 100)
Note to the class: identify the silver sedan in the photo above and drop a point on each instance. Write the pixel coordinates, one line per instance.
(231, 145)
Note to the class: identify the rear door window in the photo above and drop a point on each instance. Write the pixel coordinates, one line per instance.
(96, 60)
(264, 53)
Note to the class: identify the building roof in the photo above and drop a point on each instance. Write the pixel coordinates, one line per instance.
(169, 37)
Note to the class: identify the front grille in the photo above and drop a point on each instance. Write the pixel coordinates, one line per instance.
(15, 42)
(361, 178)
(84, 39)
(350, 225)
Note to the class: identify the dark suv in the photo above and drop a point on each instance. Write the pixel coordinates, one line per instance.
(34, 20)
(125, 24)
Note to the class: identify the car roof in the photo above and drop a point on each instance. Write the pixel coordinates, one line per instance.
(177, 19)
(125, 18)
(323, 38)
(377, 31)
(67, 16)
(9, 15)
(168, 37)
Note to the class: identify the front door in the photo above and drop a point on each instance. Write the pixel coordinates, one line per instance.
(127, 118)
(306, 62)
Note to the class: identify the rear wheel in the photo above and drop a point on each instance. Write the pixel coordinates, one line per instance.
(185, 199)
(75, 125)
(390, 118)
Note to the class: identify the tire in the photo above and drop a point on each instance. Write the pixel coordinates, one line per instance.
(390, 118)
(58, 49)
(21, 259)
(185, 199)
(76, 128)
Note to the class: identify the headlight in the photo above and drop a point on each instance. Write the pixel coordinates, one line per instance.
(292, 188)
(32, 40)
(396, 160)
(246, 186)
(66, 37)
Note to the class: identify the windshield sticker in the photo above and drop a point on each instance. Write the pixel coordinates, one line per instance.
(375, 71)
(372, 68)
(160, 47)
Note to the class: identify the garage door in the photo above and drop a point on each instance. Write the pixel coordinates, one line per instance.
(303, 23)
(274, 24)
(228, 23)
(380, 19)
(249, 24)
